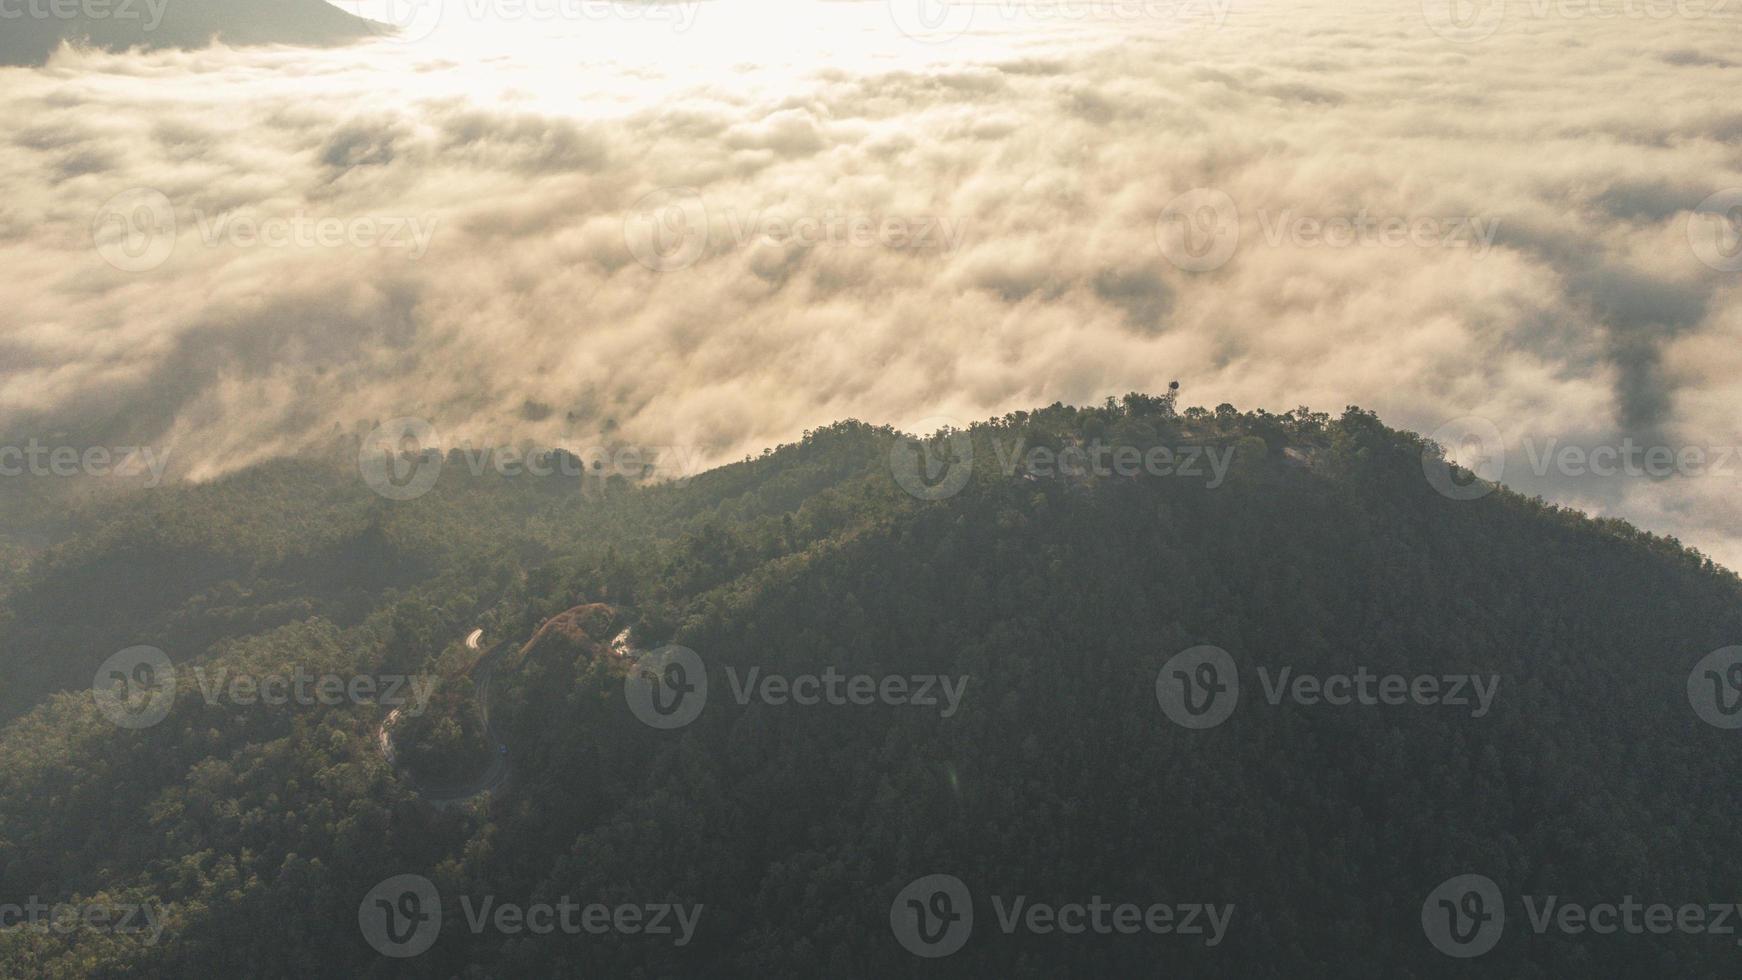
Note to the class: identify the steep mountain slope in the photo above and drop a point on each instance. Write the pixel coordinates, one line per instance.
(1046, 606)
(185, 567)
(38, 27)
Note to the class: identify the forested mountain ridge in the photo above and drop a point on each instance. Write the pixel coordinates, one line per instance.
(1056, 599)
(34, 29)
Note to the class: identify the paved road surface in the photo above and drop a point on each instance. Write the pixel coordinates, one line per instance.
(483, 673)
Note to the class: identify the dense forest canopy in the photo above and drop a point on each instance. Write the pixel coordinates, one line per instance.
(1048, 600)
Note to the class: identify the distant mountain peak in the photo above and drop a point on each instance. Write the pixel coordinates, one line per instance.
(32, 38)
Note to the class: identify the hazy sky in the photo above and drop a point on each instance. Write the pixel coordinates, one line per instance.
(716, 225)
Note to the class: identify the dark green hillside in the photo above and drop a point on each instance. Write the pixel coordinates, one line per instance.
(1058, 776)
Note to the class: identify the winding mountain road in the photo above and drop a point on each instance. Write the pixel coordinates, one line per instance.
(441, 797)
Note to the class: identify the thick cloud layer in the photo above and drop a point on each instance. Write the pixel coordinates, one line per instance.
(715, 226)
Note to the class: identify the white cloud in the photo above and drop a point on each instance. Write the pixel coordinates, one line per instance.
(1051, 150)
